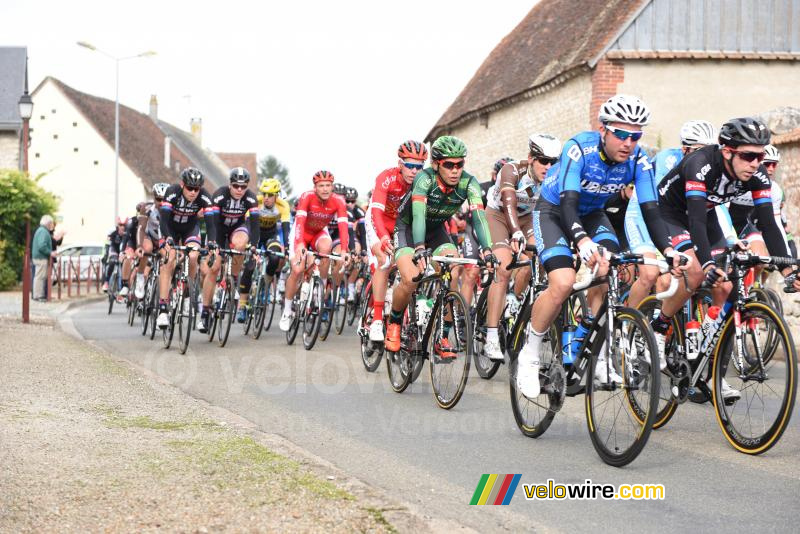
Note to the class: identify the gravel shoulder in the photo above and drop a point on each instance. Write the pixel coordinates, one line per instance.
(89, 444)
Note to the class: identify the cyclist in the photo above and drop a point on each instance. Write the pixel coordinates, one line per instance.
(274, 209)
(509, 209)
(315, 210)
(592, 167)
(694, 134)
(131, 247)
(436, 195)
(391, 187)
(236, 221)
(148, 235)
(358, 242)
(709, 177)
(113, 244)
(179, 221)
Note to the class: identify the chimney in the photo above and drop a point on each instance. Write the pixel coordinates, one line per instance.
(153, 108)
(197, 130)
(167, 147)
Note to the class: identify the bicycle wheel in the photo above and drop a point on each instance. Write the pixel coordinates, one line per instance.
(172, 309)
(328, 307)
(351, 307)
(313, 315)
(154, 310)
(185, 316)
(533, 416)
(133, 304)
(272, 302)
(775, 300)
(755, 421)
(400, 364)
(227, 309)
(449, 373)
(259, 302)
(299, 308)
(667, 403)
(112, 289)
(617, 434)
(342, 310)
(485, 366)
(768, 336)
(371, 351)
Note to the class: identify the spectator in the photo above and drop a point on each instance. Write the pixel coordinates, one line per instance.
(42, 250)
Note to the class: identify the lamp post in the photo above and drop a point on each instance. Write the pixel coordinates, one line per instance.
(25, 113)
(116, 114)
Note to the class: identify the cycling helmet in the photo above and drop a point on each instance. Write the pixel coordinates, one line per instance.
(160, 189)
(351, 194)
(240, 175)
(448, 146)
(624, 108)
(771, 153)
(744, 131)
(500, 162)
(339, 189)
(544, 146)
(192, 177)
(412, 150)
(141, 208)
(270, 186)
(122, 221)
(323, 176)
(698, 132)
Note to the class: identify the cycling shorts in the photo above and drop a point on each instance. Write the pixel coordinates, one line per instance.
(310, 240)
(678, 228)
(225, 236)
(501, 232)
(436, 238)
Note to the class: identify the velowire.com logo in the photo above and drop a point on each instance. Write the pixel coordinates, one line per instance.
(495, 489)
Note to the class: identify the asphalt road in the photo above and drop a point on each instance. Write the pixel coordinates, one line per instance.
(324, 401)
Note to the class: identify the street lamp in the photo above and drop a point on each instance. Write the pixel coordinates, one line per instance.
(116, 115)
(25, 113)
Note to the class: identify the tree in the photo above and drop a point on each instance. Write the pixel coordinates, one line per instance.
(270, 167)
(20, 197)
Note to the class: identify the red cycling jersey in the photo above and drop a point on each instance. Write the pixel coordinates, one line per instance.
(314, 214)
(390, 188)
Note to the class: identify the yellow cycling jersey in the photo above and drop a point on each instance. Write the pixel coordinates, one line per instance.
(270, 216)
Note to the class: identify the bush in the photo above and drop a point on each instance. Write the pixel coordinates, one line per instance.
(20, 197)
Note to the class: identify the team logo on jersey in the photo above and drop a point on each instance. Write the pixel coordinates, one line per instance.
(574, 152)
(562, 241)
(645, 163)
(602, 228)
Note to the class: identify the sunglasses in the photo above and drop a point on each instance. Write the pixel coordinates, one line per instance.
(622, 135)
(191, 189)
(413, 166)
(239, 187)
(350, 201)
(450, 165)
(770, 164)
(749, 156)
(547, 161)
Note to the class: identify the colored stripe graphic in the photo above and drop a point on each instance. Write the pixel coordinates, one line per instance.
(495, 489)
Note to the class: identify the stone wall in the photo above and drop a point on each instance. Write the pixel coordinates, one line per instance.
(562, 111)
(9, 150)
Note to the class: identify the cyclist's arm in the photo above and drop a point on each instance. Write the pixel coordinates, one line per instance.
(140, 231)
(506, 181)
(351, 234)
(361, 232)
(211, 218)
(300, 220)
(285, 234)
(648, 202)
(479, 222)
(165, 215)
(378, 205)
(283, 210)
(569, 177)
(344, 230)
(765, 220)
(726, 224)
(695, 191)
(419, 207)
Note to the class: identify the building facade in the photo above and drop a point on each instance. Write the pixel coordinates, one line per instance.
(13, 66)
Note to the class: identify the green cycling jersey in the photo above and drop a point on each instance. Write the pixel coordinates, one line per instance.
(432, 201)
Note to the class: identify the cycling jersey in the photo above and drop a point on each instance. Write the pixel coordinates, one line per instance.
(333, 225)
(513, 195)
(665, 161)
(116, 240)
(432, 201)
(355, 225)
(314, 215)
(700, 183)
(180, 216)
(269, 217)
(390, 188)
(230, 214)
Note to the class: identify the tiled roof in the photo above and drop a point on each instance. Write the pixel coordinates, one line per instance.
(12, 85)
(201, 158)
(556, 39)
(242, 159)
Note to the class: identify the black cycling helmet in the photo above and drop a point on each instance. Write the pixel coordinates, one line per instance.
(500, 162)
(240, 175)
(339, 188)
(192, 177)
(351, 194)
(744, 131)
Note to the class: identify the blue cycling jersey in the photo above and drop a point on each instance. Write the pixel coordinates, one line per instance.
(582, 168)
(665, 161)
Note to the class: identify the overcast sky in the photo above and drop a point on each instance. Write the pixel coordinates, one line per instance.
(319, 84)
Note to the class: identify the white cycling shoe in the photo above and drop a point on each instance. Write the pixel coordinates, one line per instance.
(661, 342)
(286, 320)
(492, 351)
(605, 376)
(729, 393)
(376, 331)
(163, 320)
(528, 372)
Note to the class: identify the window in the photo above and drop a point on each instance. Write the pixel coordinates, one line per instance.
(96, 162)
(37, 155)
(53, 111)
(55, 136)
(74, 123)
(75, 149)
(484, 120)
(41, 117)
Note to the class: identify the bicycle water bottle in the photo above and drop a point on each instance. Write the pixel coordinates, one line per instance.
(571, 350)
(304, 289)
(711, 318)
(566, 343)
(424, 307)
(692, 340)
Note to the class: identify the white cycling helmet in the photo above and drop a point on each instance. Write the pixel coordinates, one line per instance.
(160, 189)
(624, 108)
(698, 132)
(544, 145)
(771, 153)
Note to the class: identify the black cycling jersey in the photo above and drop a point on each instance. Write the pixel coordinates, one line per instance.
(129, 237)
(357, 226)
(177, 214)
(230, 213)
(699, 182)
(115, 241)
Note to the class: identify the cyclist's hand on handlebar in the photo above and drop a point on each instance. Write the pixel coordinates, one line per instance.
(715, 276)
(420, 259)
(743, 244)
(589, 252)
(518, 241)
(679, 262)
(792, 281)
(346, 257)
(489, 259)
(211, 246)
(386, 244)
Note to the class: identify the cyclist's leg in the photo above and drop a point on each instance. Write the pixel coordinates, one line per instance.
(471, 273)
(499, 232)
(404, 252)
(639, 242)
(523, 275)
(599, 229)
(681, 242)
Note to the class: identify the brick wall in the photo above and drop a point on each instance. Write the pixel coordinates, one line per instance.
(9, 150)
(560, 111)
(606, 77)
